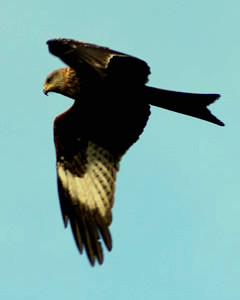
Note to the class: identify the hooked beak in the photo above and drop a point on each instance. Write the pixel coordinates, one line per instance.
(45, 90)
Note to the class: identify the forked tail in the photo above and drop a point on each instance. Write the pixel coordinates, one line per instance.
(194, 105)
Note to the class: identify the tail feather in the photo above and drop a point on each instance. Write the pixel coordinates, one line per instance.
(194, 105)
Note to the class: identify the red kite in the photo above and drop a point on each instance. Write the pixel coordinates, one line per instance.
(110, 111)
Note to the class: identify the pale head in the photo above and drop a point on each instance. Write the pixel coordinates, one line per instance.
(63, 81)
(54, 82)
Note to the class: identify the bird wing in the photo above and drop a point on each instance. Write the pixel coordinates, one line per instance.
(86, 183)
(100, 62)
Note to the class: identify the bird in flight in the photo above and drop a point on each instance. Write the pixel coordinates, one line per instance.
(110, 110)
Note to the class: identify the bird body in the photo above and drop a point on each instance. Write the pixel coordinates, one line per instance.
(110, 111)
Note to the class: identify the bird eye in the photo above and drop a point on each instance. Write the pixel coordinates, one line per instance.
(48, 80)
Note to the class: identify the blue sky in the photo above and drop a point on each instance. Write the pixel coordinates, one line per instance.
(176, 225)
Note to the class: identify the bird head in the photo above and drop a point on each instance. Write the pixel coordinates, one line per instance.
(54, 82)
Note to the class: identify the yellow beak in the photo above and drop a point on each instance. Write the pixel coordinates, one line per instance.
(45, 89)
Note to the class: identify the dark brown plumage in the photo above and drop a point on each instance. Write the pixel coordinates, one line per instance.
(111, 109)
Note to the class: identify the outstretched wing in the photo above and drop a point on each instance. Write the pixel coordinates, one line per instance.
(86, 182)
(100, 62)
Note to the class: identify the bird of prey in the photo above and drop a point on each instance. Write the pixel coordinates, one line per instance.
(110, 110)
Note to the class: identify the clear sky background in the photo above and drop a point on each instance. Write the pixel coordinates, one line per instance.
(176, 219)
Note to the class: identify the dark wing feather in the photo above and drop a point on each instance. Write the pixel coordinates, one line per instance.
(100, 62)
(86, 182)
